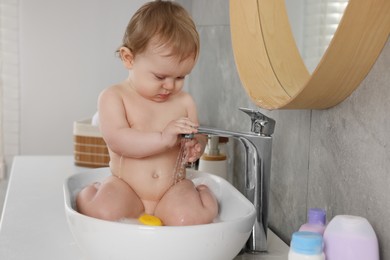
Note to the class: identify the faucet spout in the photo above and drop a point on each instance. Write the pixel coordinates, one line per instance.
(257, 179)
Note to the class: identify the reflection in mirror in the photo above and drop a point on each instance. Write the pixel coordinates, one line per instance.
(313, 23)
(272, 70)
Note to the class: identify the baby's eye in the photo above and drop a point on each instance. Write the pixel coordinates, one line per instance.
(181, 77)
(159, 77)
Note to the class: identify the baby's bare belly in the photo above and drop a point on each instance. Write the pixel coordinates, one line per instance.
(149, 177)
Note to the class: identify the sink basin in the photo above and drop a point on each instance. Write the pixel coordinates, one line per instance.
(222, 239)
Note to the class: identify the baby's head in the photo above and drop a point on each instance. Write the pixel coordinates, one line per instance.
(162, 24)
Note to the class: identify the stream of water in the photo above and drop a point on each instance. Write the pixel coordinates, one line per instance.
(179, 172)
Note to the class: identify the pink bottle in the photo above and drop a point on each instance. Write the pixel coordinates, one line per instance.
(316, 219)
(350, 238)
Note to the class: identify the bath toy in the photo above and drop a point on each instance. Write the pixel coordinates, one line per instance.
(150, 220)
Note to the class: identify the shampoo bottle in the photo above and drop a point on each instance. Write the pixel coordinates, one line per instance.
(316, 220)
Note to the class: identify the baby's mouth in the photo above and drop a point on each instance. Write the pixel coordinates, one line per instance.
(164, 96)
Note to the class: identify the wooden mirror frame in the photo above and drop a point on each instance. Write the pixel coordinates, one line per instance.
(271, 68)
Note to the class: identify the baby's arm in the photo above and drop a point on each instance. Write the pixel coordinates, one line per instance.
(129, 142)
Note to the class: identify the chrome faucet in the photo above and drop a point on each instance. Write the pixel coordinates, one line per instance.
(258, 146)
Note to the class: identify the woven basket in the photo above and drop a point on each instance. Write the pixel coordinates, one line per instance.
(90, 150)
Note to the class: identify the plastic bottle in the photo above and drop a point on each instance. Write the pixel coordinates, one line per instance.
(316, 221)
(213, 161)
(350, 238)
(306, 246)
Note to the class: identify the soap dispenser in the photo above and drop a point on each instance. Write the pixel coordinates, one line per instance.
(212, 160)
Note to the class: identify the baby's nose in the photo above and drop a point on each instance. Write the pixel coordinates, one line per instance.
(169, 84)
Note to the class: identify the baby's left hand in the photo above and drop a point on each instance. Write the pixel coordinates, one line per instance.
(195, 149)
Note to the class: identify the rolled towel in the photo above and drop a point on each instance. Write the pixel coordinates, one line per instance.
(95, 119)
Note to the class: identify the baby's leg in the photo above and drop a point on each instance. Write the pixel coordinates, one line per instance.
(184, 204)
(111, 200)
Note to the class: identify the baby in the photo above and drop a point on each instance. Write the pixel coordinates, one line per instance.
(142, 119)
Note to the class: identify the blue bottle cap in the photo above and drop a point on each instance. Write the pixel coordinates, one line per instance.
(307, 243)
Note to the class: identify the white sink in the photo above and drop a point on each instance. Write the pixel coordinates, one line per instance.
(223, 239)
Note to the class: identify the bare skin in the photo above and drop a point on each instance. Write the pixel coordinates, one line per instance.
(141, 120)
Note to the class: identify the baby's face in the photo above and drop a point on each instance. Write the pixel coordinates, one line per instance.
(157, 75)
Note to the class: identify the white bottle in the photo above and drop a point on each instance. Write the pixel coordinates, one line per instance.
(306, 246)
(213, 161)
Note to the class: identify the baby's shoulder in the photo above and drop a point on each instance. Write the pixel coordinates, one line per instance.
(110, 95)
(114, 91)
(186, 98)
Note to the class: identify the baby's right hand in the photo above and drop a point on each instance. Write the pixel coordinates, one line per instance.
(181, 126)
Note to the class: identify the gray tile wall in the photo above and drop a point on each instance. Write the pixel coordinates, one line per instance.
(338, 158)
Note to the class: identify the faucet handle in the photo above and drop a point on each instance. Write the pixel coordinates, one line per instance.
(261, 124)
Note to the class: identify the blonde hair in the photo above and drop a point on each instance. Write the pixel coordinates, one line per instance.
(166, 23)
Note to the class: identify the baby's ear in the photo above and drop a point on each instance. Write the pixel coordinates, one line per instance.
(127, 57)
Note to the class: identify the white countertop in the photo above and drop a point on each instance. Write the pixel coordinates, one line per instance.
(33, 223)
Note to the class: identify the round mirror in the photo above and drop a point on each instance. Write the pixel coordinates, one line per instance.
(313, 24)
(272, 70)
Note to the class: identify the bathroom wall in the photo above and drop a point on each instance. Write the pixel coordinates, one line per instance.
(67, 56)
(337, 158)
